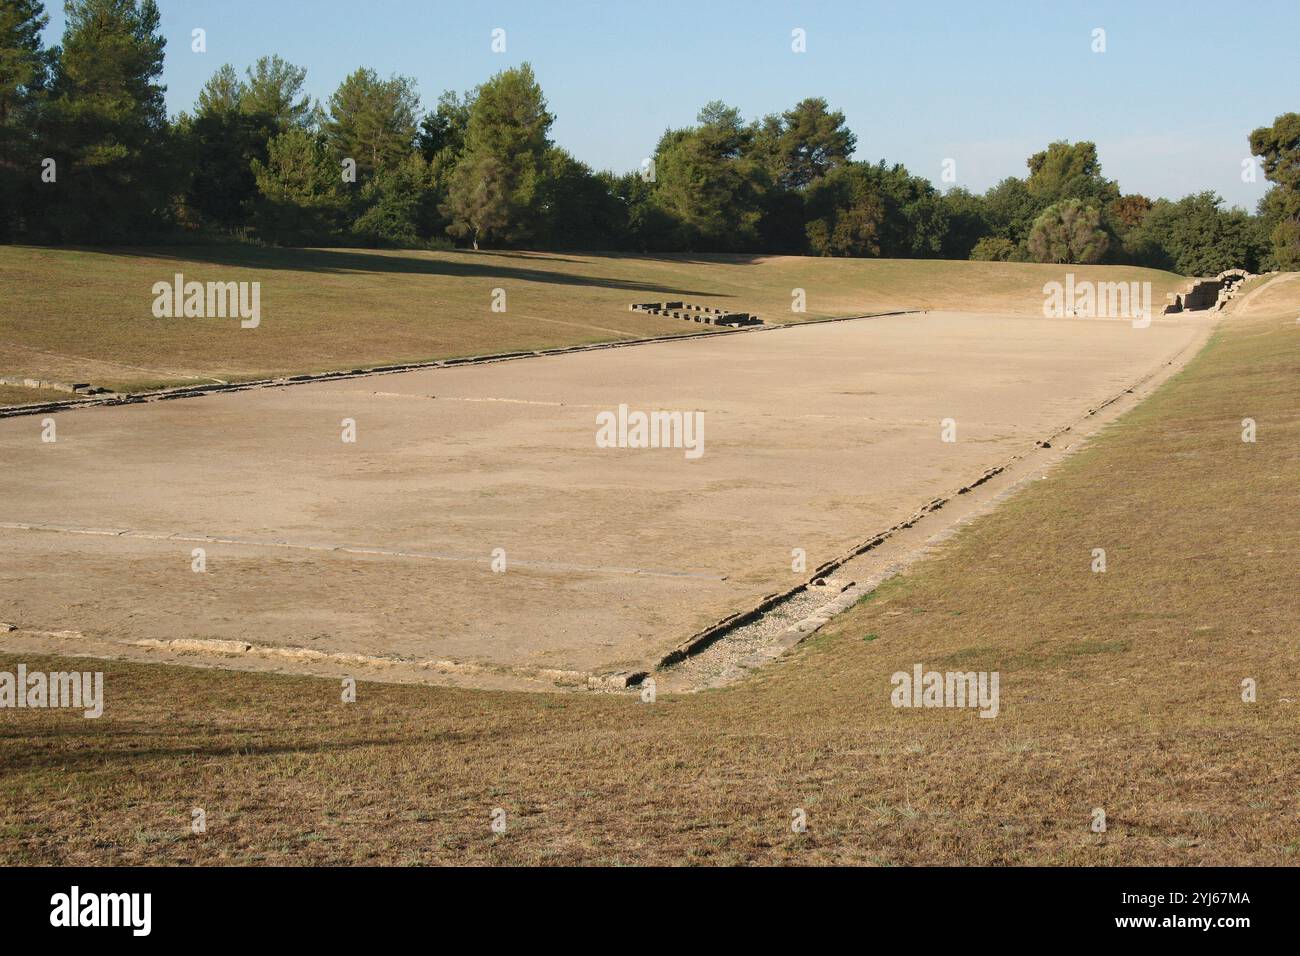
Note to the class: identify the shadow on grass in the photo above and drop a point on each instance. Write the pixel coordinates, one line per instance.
(497, 265)
(98, 750)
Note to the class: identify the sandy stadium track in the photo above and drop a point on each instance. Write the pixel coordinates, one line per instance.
(814, 438)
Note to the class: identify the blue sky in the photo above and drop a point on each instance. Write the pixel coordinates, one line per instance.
(1169, 103)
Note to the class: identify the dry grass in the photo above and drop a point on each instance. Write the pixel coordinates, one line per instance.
(1119, 690)
(21, 395)
(85, 315)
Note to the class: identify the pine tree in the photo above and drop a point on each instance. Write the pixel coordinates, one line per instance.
(494, 191)
(24, 76)
(299, 198)
(709, 180)
(109, 124)
(273, 94)
(373, 121)
(1279, 145)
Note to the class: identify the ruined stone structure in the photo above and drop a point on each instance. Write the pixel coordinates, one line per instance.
(696, 313)
(1204, 294)
(76, 388)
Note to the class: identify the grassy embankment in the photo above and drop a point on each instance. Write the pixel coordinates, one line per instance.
(72, 315)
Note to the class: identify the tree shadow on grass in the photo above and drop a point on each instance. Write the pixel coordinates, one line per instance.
(673, 258)
(492, 265)
(98, 750)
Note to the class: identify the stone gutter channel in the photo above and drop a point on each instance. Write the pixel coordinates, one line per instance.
(751, 638)
(195, 391)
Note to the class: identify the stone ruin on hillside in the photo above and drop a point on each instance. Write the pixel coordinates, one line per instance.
(697, 313)
(1208, 293)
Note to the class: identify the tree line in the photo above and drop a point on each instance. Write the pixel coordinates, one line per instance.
(89, 155)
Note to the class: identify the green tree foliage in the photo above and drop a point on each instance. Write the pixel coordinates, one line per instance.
(399, 205)
(1065, 171)
(494, 190)
(804, 144)
(273, 92)
(220, 143)
(109, 125)
(796, 149)
(299, 199)
(1278, 230)
(441, 140)
(256, 154)
(967, 223)
(224, 92)
(648, 226)
(781, 224)
(995, 249)
(1196, 236)
(372, 121)
(24, 76)
(233, 122)
(846, 213)
(1279, 146)
(915, 217)
(710, 183)
(443, 132)
(484, 203)
(1068, 231)
(1010, 209)
(578, 210)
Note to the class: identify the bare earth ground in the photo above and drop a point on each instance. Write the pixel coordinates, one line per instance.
(815, 438)
(1120, 690)
(75, 315)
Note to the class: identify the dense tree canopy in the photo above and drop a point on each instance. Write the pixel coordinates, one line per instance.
(299, 195)
(442, 132)
(88, 154)
(846, 213)
(710, 182)
(495, 190)
(372, 121)
(24, 75)
(1279, 146)
(804, 144)
(273, 92)
(108, 128)
(1197, 236)
(1069, 171)
(1068, 231)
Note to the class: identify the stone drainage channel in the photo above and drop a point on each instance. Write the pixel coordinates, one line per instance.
(729, 649)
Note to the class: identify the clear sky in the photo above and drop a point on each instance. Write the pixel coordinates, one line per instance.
(985, 82)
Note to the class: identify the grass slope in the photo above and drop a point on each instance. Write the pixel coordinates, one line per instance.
(1119, 690)
(86, 315)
